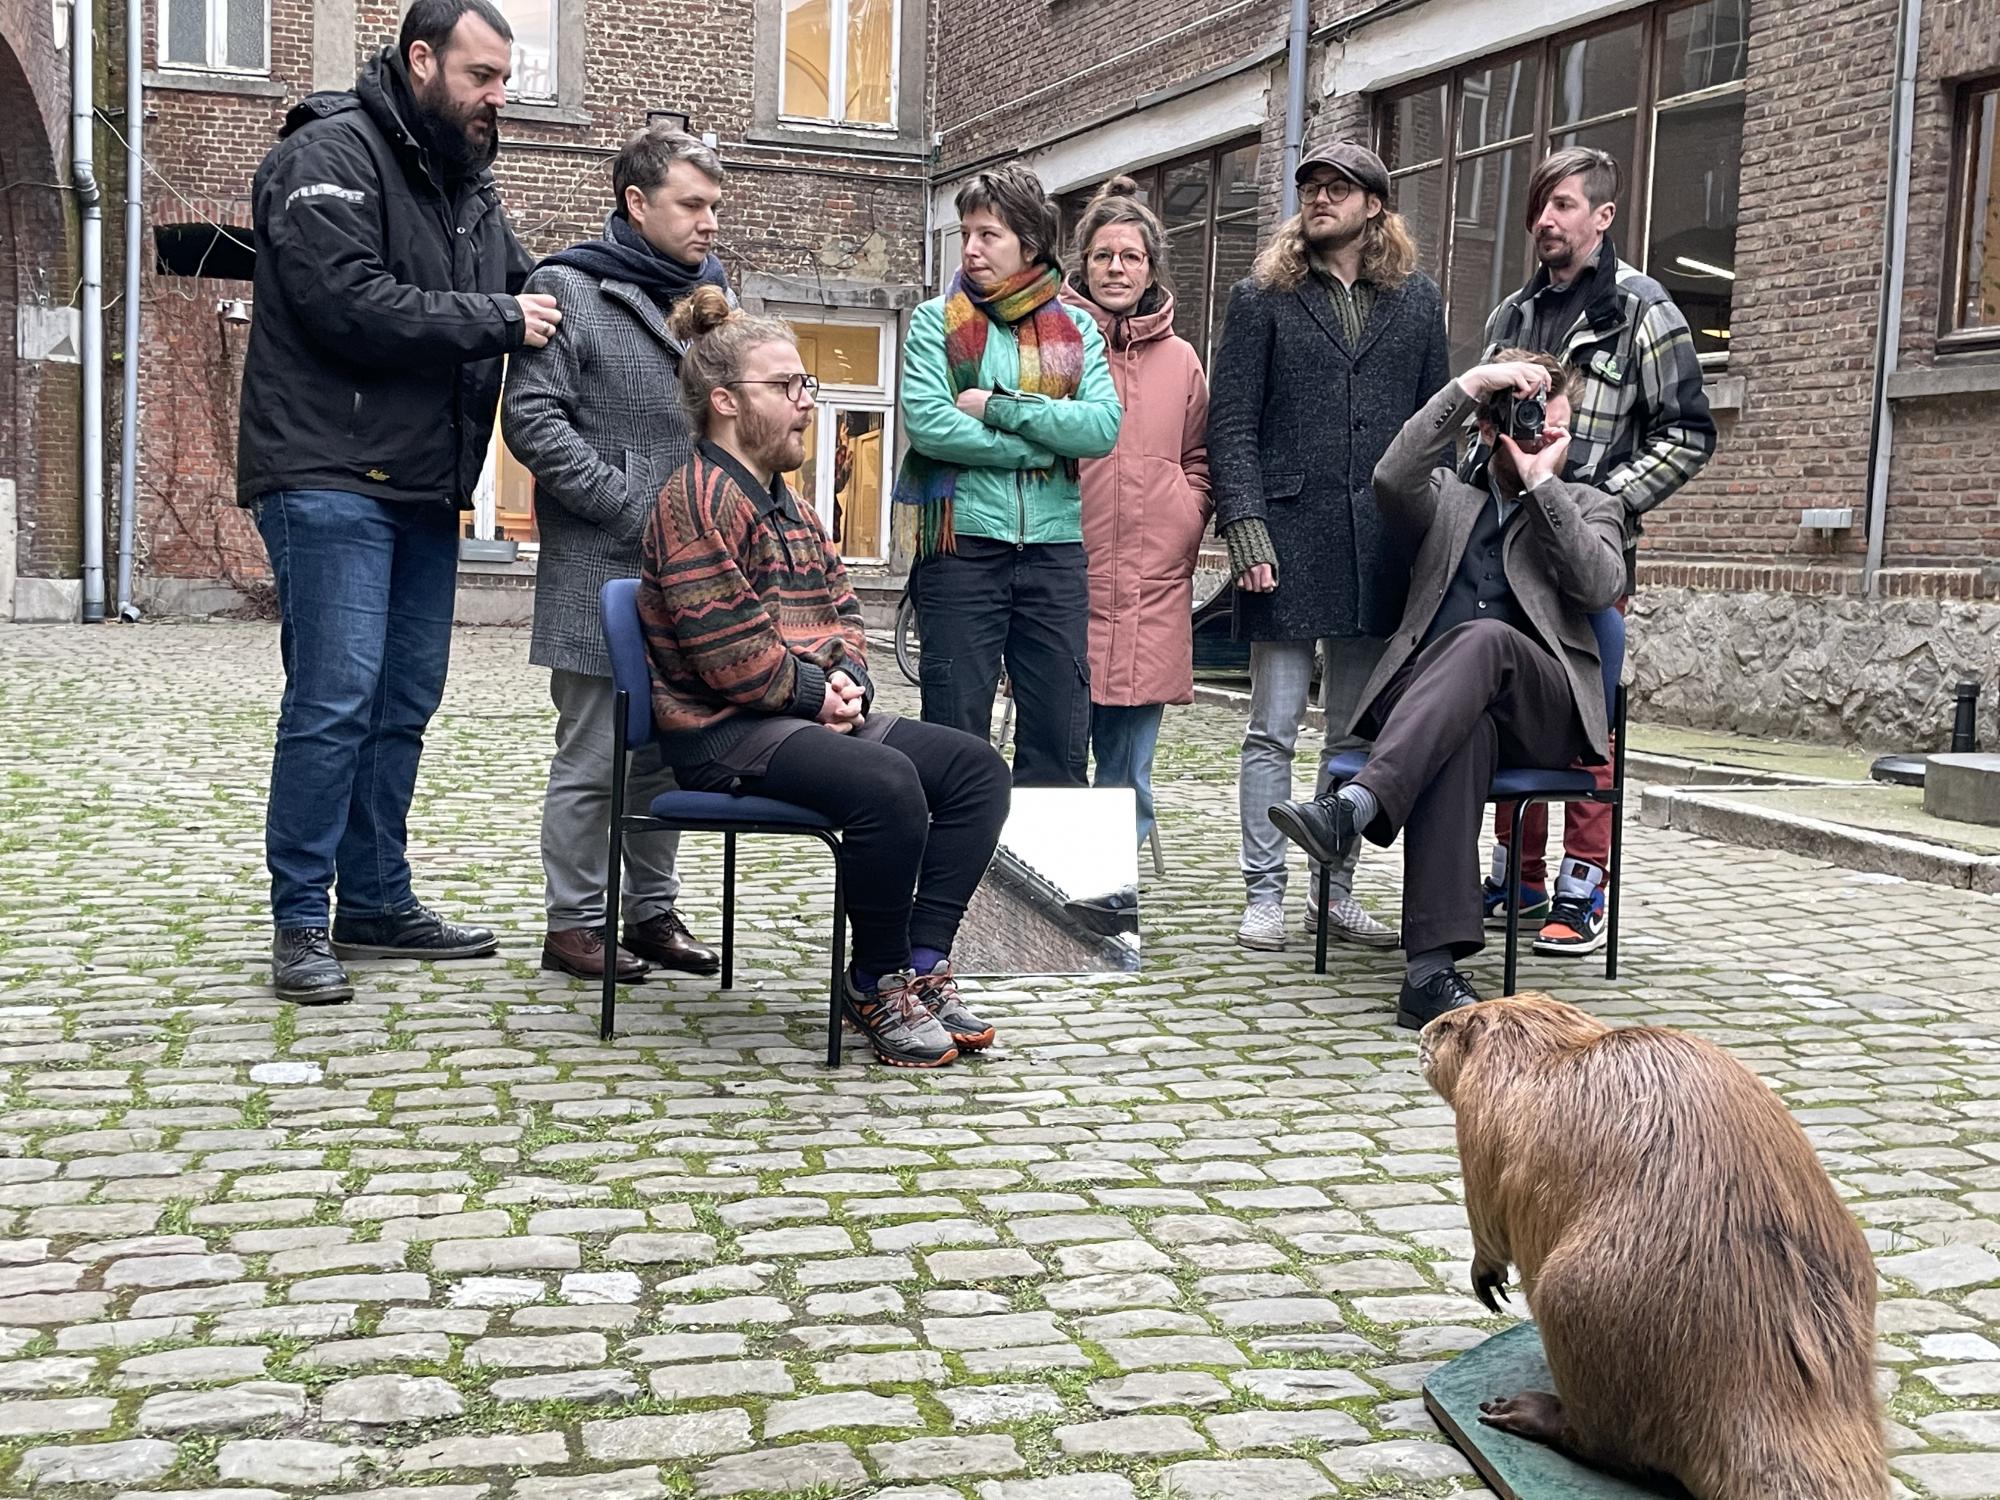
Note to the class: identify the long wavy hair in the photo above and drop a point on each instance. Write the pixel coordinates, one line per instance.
(1388, 254)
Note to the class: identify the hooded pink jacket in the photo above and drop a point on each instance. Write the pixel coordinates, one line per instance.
(1145, 507)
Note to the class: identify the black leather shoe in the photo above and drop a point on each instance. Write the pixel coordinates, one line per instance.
(664, 941)
(1418, 1005)
(1323, 827)
(416, 933)
(304, 969)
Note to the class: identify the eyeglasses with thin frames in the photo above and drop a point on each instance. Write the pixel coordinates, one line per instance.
(794, 386)
(1135, 259)
(1337, 191)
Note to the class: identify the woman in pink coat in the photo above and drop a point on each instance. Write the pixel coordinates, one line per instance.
(1146, 503)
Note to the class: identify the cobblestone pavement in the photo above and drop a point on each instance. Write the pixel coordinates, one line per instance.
(1196, 1233)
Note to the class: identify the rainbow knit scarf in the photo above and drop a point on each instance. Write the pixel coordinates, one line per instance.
(1051, 351)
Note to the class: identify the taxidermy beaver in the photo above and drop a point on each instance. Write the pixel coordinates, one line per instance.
(1706, 1304)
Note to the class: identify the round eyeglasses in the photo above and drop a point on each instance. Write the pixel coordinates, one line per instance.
(794, 386)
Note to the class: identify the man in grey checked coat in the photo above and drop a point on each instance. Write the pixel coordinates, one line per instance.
(596, 418)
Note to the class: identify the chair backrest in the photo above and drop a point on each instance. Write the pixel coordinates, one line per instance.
(1608, 625)
(618, 602)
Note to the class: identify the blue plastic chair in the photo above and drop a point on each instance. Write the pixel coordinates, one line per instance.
(693, 812)
(1524, 787)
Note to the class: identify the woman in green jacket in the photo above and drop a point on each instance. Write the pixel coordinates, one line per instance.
(1004, 388)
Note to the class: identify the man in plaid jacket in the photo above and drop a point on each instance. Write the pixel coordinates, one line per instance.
(1639, 429)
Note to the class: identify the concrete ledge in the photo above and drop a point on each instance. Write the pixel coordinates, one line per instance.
(1694, 810)
(48, 601)
(1975, 377)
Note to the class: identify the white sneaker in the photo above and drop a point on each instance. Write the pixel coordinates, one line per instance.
(1263, 926)
(1352, 924)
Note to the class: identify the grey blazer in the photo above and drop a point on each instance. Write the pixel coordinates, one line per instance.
(1564, 558)
(596, 417)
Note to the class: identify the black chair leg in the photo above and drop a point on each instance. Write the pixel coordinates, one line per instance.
(1513, 898)
(1614, 893)
(607, 1005)
(728, 911)
(1322, 888)
(838, 980)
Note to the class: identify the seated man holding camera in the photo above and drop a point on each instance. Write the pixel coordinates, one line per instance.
(1494, 663)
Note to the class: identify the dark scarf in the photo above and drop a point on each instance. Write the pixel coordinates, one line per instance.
(624, 254)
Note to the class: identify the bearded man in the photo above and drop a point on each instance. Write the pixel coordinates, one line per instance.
(389, 291)
(1331, 345)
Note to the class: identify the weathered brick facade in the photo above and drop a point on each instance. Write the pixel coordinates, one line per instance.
(1085, 87)
(1726, 563)
(810, 211)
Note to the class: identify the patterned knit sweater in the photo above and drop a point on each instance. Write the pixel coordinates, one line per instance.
(745, 606)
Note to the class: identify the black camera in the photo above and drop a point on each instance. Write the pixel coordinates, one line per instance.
(1522, 419)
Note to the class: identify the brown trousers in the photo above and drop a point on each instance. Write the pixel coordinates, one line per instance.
(1481, 696)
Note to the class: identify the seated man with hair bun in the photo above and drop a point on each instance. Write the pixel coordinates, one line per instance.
(761, 685)
(1495, 662)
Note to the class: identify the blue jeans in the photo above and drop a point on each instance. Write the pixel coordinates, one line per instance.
(365, 592)
(1123, 741)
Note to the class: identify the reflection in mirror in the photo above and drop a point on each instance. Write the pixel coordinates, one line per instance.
(1062, 896)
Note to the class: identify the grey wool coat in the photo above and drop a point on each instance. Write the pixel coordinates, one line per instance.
(1297, 422)
(1564, 555)
(596, 416)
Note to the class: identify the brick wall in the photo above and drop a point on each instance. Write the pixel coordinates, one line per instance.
(38, 401)
(1944, 489)
(784, 211)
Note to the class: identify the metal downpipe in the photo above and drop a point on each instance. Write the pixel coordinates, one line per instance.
(90, 201)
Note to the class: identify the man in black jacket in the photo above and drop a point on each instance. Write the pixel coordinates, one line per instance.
(388, 294)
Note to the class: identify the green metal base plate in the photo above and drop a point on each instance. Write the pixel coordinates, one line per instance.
(1515, 1468)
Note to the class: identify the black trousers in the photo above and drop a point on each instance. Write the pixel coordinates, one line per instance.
(992, 602)
(920, 813)
(1481, 696)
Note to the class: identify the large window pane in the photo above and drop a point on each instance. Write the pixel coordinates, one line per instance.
(1597, 76)
(246, 34)
(1419, 198)
(871, 37)
(187, 33)
(1978, 300)
(1235, 254)
(1489, 248)
(857, 483)
(1416, 128)
(1497, 104)
(1187, 253)
(534, 47)
(1236, 178)
(842, 353)
(1703, 46)
(1184, 195)
(808, 59)
(1696, 152)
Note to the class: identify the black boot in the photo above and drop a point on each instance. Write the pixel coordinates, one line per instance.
(1418, 1005)
(304, 969)
(415, 933)
(1323, 827)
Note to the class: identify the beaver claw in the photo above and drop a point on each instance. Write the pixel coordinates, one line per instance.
(1489, 1284)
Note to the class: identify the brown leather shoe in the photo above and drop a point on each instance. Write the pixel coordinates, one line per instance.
(580, 951)
(665, 942)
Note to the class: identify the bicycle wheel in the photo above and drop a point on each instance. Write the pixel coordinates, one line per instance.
(908, 648)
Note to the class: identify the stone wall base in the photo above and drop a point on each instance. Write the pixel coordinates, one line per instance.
(1878, 673)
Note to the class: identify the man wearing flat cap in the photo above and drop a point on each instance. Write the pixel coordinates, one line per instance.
(1333, 342)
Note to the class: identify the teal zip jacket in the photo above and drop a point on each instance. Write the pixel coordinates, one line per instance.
(999, 494)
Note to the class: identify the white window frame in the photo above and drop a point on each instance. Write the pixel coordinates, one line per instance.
(836, 76)
(880, 396)
(215, 32)
(554, 92)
